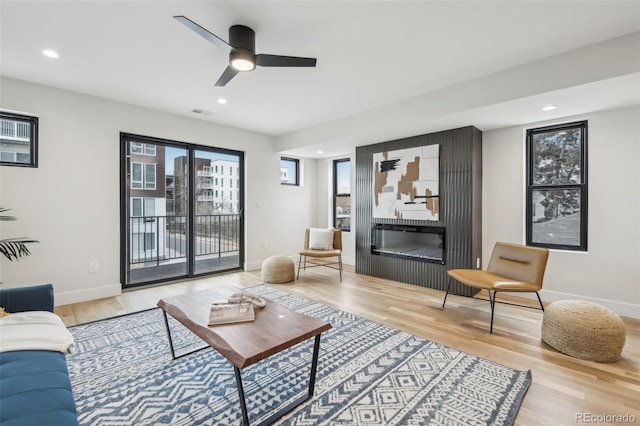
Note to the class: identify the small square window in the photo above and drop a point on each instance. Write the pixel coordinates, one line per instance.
(289, 171)
(18, 140)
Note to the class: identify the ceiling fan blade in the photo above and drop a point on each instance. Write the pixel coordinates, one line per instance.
(284, 61)
(226, 76)
(204, 33)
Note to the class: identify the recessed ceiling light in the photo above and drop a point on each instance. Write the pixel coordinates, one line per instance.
(320, 152)
(50, 53)
(548, 108)
(222, 101)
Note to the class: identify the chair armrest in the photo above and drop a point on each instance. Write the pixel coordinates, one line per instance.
(32, 298)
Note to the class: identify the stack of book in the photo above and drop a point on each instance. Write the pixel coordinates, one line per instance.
(223, 312)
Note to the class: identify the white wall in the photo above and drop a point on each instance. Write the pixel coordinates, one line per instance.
(609, 273)
(71, 202)
(295, 210)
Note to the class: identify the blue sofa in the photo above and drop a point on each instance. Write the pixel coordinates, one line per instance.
(34, 385)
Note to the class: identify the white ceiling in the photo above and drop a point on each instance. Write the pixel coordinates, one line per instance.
(370, 53)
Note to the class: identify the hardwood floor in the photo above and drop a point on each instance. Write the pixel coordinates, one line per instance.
(563, 388)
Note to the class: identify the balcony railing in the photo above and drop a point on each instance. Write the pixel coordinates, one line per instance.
(205, 173)
(155, 240)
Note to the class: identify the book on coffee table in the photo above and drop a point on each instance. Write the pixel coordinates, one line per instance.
(226, 313)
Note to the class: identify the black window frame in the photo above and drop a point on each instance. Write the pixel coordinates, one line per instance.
(33, 143)
(581, 186)
(296, 162)
(337, 195)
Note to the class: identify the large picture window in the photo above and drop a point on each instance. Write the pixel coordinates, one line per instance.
(557, 186)
(18, 140)
(342, 194)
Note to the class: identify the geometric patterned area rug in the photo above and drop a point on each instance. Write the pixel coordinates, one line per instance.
(122, 373)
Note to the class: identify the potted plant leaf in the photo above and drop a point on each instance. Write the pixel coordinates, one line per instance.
(14, 248)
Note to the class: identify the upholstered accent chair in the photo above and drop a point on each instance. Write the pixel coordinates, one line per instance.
(512, 268)
(323, 244)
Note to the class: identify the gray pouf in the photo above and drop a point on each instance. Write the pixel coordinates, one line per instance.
(278, 269)
(583, 330)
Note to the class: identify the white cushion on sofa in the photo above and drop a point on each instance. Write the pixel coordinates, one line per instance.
(320, 239)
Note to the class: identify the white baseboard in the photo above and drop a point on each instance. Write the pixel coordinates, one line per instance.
(65, 298)
(257, 265)
(621, 308)
(253, 266)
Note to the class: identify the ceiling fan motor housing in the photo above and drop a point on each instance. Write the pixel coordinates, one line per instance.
(243, 40)
(241, 37)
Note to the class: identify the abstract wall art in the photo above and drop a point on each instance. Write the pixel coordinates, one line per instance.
(406, 183)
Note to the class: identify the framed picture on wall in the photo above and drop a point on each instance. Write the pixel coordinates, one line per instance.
(406, 183)
(18, 139)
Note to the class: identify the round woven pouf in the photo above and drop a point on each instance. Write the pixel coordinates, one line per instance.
(278, 269)
(583, 330)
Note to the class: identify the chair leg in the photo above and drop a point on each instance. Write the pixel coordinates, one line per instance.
(299, 266)
(447, 293)
(492, 300)
(340, 264)
(539, 300)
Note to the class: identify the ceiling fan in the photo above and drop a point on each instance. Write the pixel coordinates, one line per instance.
(241, 48)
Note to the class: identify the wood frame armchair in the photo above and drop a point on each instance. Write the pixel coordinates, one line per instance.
(322, 254)
(512, 268)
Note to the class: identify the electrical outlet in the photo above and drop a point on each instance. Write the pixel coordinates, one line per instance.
(265, 246)
(93, 266)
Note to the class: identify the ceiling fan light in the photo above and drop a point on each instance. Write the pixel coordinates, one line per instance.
(242, 61)
(242, 64)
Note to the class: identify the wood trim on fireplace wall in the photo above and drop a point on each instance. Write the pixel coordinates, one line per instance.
(460, 210)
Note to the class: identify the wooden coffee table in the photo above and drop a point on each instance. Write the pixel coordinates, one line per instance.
(274, 329)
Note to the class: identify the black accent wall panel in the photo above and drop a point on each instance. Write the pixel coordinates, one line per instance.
(460, 210)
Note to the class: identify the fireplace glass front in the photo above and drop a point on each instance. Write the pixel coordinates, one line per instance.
(423, 243)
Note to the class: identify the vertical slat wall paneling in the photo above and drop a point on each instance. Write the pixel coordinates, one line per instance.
(460, 210)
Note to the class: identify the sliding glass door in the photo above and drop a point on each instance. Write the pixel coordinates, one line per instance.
(181, 210)
(217, 206)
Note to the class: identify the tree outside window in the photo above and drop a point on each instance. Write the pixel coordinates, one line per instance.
(557, 186)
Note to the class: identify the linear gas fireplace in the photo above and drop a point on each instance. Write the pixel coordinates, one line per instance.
(423, 243)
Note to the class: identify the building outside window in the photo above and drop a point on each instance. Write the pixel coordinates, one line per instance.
(140, 180)
(556, 213)
(149, 176)
(342, 194)
(136, 148)
(149, 149)
(136, 175)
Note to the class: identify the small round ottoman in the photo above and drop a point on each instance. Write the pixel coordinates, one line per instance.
(278, 269)
(583, 330)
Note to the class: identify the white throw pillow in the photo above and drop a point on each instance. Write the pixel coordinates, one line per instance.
(320, 239)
